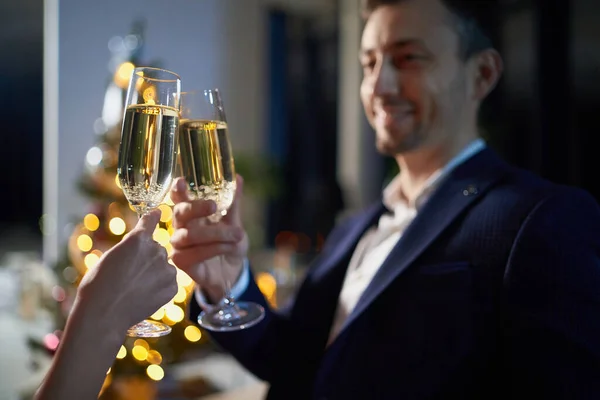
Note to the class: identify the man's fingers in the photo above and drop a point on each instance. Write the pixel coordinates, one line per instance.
(195, 234)
(179, 191)
(186, 258)
(188, 210)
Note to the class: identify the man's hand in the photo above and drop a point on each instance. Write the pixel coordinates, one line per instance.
(197, 243)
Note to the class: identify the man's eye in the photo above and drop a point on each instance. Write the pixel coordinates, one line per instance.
(368, 66)
(407, 60)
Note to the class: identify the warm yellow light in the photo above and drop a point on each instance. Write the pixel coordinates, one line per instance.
(161, 236)
(168, 200)
(117, 226)
(84, 242)
(122, 353)
(117, 181)
(171, 230)
(181, 295)
(155, 372)
(169, 248)
(183, 279)
(174, 313)
(139, 83)
(108, 372)
(266, 283)
(154, 357)
(91, 260)
(97, 252)
(141, 343)
(149, 95)
(123, 74)
(139, 353)
(159, 314)
(166, 213)
(192, 333)
(91, 222)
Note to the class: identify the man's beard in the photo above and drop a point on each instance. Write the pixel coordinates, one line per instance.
(393, 147)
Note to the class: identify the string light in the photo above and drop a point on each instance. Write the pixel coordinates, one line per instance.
(183, 279)
(91, 222)
(266, 283)
(181, 295)
(192, 333)
(142, 343)
(84, 242)
(123, 74)
(174, 313)
(154, 357)
(166, 213)
(91, 260)
(168, 200)
(155, 372)
(159, 314)
(117, 226)
(162, 236)
(122, 353)
(139, 353)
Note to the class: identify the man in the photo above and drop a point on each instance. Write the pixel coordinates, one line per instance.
(473, 279)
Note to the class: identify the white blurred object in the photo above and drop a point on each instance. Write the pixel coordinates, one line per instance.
(25, 293)
(255, 391)
(221, 370)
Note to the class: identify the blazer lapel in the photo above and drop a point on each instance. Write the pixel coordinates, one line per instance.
(461, 188)
(346, 246)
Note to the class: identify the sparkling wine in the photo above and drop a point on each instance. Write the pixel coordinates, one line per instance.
(207, 162)
(147, 154)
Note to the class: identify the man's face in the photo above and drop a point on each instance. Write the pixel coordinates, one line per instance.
(414, 89)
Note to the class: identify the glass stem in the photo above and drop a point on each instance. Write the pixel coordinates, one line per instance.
(227, 297)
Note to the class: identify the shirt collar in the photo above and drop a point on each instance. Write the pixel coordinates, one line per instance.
(392, 194)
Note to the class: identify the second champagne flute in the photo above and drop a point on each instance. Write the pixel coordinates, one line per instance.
(208, 168)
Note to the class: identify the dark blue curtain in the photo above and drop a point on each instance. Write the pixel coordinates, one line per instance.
(303, 126)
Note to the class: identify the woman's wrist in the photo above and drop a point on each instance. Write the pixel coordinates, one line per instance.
(96, 322)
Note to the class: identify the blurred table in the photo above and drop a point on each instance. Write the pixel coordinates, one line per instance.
(255, 391)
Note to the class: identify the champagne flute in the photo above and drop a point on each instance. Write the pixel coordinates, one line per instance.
(147, 151)
(207, 165)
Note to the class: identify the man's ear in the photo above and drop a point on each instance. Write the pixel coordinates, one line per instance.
(487, 67)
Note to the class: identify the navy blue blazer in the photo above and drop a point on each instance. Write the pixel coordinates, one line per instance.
(493, 292)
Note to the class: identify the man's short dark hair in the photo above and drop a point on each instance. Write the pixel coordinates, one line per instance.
(472, 38)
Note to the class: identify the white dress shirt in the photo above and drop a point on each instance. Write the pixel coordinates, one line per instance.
(376, 243)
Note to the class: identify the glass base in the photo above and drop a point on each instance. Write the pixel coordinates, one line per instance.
(149, 328)
(226, 318)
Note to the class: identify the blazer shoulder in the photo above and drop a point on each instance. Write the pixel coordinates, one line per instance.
(523, 192)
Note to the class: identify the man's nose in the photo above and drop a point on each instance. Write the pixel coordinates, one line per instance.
(386, 82)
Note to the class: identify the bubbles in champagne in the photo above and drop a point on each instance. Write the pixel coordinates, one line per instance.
(207, 162)
(144, 198)
(222, 194)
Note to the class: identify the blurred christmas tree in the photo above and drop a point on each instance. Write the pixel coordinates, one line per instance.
(110, 217)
